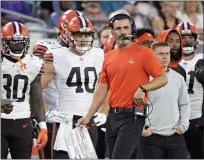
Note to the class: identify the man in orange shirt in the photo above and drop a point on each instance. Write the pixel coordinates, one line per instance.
(126, 72)
(145, 37)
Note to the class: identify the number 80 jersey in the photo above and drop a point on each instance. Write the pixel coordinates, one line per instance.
(15, 84)
(75, 77)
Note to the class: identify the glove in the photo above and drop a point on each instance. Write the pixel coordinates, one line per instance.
(55, 116)
(42, 139)
(100, 119)
(103, 129)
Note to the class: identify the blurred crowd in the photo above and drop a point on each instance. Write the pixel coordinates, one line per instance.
(157, 15)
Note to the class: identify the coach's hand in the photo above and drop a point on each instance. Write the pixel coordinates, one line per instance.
(148, 132)
(178, 130)
(42, 139)
(139, 97)
(83, 121)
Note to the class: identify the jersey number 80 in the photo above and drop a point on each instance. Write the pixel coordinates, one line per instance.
(12, 93)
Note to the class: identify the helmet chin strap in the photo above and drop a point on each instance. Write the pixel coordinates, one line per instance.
(188, 51)
(22, 65)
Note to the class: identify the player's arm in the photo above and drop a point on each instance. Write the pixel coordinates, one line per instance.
(199, 71)
(184, 108)
(36, 99)
(100, 92)
(152, 68)
(49, 70)
(105, 106)
(45, 103)
(98, 98)
(37, 106)
(156, 83)
(102, 114)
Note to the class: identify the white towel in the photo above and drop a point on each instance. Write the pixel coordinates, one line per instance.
(64, 127)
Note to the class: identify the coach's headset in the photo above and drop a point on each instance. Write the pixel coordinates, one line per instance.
(122, 16)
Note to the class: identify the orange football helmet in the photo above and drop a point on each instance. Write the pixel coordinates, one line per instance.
(188, 29)
(64, 20)
(15, 40)
(80, 25)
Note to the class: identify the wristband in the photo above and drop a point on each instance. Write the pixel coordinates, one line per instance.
(143, 89)
(43, 125)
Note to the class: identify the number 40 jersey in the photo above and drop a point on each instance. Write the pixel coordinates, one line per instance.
(195, 89)
(16, 84)
(75, 77)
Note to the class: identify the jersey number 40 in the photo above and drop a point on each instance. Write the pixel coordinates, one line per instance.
(78, 83)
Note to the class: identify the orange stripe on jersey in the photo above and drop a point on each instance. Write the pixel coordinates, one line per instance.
(40, 47)
(48, 58)
(39, 50)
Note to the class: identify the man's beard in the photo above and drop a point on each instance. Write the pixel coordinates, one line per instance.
(175, 54)
(124, 39)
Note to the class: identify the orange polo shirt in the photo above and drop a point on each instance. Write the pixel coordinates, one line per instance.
(127, 69)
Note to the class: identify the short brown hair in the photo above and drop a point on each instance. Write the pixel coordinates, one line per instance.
(157, 44)
(103, 29)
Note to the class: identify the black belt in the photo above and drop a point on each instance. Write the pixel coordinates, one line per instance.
(121, 110)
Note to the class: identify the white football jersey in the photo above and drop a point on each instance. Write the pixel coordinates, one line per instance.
(16, 84)
(50, 92)
(195, 89)
(76, 78)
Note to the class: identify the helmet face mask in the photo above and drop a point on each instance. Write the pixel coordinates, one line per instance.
(189, 42)
(189, 37)
(14, 44)
(82, 42)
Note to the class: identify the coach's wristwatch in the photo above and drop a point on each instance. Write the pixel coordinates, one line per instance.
(143, 89)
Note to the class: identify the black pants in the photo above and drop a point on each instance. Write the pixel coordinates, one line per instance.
(122, 135)
(193, 139)
(162, 147)
(16, 135)
(101, 143)
(50, 152)
(48, 148)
